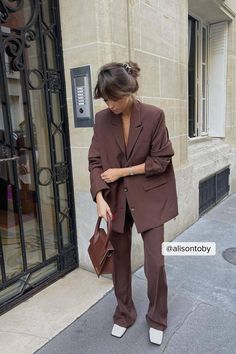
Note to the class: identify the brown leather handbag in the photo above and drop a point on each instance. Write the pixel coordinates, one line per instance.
(100, 249)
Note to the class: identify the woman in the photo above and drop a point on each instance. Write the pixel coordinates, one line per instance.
(132, 180)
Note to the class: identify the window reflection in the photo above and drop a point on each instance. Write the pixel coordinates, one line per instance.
(9, 221)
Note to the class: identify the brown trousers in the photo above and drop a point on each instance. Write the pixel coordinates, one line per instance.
(154, 268)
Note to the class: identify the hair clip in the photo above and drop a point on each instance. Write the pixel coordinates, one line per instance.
(127, 67)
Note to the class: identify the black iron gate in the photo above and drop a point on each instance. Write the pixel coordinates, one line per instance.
(37, 221)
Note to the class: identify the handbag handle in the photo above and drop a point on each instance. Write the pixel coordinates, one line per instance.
(109, 223)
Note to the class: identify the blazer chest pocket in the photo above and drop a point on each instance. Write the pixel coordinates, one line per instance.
(151, 182)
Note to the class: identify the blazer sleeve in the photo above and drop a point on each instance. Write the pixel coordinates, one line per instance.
(161, 149)
(95, 167)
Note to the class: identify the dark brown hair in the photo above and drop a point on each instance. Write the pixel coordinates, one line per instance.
(116, 80)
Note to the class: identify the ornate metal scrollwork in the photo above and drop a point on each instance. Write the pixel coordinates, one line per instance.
(3, 13)
(54, 82)
(14, 50)
(35, 75)
(45, 176)
(61, 172)
(57, 128)
(16, 4)
(6, 8)
(30, 36)
(11, 6)
(65, 214)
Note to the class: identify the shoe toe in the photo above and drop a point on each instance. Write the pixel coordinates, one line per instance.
(155, 336)
(118, 331)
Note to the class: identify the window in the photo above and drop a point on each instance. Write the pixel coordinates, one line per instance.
(207, 63)
(204, 78)
(192, 75)
(217, 78)
(198, 77)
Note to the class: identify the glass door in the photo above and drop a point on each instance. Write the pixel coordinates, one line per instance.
(37, 224)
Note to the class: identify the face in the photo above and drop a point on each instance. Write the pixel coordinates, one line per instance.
(120, 105)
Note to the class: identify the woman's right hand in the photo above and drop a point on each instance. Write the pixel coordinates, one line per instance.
(102, 207)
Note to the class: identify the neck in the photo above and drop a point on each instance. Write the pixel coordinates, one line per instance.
(128, 109)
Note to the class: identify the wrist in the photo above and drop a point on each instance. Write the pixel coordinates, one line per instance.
(99, 196)
(124, 172)
(127, 171)
(130, 171)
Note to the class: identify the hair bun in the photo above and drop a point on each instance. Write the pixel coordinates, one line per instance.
(135, 69)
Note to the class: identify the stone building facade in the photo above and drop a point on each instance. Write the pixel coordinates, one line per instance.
(166, 39)
(50, 54)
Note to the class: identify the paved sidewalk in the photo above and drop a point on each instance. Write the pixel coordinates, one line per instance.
(201, 300)
(28, 326)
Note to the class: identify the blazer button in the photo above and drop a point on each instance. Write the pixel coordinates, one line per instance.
(132, 209)
(126, 189)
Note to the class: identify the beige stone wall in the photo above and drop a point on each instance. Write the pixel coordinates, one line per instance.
(154, 33)
(93, 32)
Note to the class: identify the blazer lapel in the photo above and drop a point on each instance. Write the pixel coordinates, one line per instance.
(135, 127)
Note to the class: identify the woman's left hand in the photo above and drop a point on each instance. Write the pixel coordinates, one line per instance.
(111, 175)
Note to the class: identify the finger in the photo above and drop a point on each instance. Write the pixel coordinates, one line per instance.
(103, 176)
(109, 212)
(102, 215)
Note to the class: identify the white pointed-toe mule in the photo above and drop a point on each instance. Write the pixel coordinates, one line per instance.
(118, 331)
(155, 336)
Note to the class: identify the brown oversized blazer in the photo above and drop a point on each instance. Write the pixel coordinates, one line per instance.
(152, 196)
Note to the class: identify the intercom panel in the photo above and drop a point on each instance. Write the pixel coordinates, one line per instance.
(82, 96)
